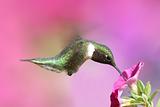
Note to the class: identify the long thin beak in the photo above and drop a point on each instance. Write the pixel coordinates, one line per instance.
(119, 71)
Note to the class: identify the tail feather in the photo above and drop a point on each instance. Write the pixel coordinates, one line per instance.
(36, 61)
(26, 60)
(46, 63)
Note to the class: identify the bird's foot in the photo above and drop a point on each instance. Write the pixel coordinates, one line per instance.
(70, 73)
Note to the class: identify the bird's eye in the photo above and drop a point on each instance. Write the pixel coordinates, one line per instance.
(109, 58)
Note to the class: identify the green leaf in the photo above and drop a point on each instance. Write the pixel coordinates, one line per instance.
(158, 103)
(132, 104)
(151, 104)
(137, 102)
(145, 97)
(135, 96)
(126, 102)
(140, 87)
(140, 99)
(147, 90)
(154, 94)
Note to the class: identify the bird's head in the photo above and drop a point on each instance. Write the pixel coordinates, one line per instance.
(103, 54)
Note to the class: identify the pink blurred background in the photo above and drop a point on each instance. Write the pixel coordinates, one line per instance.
(40, 28)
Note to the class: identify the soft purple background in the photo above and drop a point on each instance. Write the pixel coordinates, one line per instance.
(37, 28)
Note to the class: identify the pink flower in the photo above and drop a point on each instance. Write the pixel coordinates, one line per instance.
(115, 99)
(128, 77)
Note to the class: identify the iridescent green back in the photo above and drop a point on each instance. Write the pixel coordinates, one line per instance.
(73, 56)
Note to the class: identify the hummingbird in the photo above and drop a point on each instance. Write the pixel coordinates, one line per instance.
(74, 55)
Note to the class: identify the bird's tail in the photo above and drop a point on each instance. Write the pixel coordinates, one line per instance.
(38, 61)
(47, 63)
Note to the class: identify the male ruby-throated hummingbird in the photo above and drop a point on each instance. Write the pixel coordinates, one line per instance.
(74, 55)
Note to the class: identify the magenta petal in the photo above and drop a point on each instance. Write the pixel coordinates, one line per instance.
(119, 84)
(133, 73)
(131, 76)
(114, 99)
